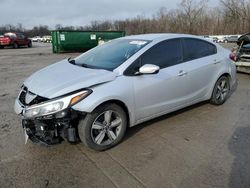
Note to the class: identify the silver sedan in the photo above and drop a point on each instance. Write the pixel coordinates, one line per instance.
(96, 96)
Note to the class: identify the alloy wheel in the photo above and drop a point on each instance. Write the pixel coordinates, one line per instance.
(106, 127)
(222, 90)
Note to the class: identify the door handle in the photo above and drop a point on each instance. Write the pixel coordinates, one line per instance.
(216, 61)
(182, 73)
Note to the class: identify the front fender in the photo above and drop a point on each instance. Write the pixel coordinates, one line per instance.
(117, 90)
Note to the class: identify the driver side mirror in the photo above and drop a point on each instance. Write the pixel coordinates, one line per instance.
(149, 69)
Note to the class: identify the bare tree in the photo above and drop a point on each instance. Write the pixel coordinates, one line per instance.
(191, 16)
(237, 15)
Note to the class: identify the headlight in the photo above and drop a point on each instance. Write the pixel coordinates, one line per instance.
(55, 105)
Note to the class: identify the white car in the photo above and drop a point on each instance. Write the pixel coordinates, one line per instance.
(36, 39)
(46, 38)
(95, 97)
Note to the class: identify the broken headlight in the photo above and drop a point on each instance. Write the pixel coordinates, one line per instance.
(55, 105)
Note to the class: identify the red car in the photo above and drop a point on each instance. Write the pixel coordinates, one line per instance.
(15, 40)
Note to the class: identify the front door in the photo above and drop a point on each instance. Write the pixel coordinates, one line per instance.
(158, 93)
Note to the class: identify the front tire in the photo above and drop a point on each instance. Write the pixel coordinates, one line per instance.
(104, 127)
(220, 91)
(29, 44)
(15, 45)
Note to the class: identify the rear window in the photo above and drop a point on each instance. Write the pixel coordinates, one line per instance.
(195, 48)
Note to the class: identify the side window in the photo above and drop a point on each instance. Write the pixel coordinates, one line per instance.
(164, 54)
(195, 48)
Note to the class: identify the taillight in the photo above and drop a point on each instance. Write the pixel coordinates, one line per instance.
(6, 39)
(233, 56)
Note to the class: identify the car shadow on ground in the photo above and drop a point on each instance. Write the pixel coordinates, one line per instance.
(239, 146)
(133, 130)
(34, 45)
(10, 47)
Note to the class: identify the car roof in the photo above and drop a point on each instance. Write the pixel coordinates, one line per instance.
(159, 36)
(14, 33)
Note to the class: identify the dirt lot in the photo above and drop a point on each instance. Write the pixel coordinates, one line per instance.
(200, 146)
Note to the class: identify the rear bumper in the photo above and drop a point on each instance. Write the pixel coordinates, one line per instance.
(242, 63)
(5, 43)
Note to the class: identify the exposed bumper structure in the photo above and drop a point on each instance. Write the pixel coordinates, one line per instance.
(52, 129)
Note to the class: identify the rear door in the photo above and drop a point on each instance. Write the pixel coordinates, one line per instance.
(203, 61)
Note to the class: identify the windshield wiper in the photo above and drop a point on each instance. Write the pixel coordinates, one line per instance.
(71, 61)
(84, 65)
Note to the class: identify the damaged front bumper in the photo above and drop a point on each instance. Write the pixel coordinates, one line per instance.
(51, 129)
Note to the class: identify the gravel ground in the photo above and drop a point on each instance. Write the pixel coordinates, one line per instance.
(200, 146)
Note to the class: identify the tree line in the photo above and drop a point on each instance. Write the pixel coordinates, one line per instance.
(191, 16)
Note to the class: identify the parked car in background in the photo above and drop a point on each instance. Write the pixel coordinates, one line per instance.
(231, 39)
(36, 39)
(241, 56)
(126, 81)
(46, 39)
(221, 39)
(15, 40)
(215, 39)
(208, 38)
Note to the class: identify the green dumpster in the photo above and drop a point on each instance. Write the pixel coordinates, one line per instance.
(80, 41)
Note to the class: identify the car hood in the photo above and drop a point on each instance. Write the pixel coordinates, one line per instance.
(62, 78)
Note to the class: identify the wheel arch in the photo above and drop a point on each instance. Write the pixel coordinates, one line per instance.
(228, 76)
(213, 82)
(121, 104)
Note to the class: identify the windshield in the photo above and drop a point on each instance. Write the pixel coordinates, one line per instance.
(111, 54)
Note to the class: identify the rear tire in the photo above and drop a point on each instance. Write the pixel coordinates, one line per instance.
(220, 91)
(104, 127)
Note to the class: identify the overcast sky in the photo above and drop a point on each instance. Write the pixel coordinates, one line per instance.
(77, 12)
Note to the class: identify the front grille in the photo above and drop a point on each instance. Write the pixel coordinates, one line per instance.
(36, 100)
(22, 97)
